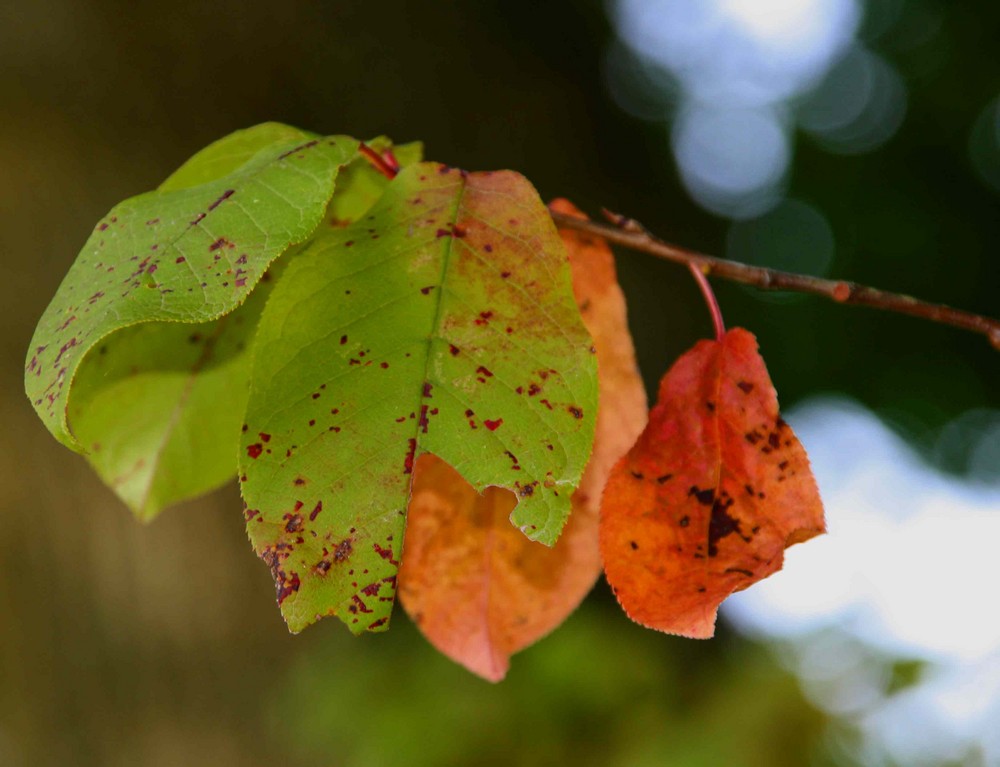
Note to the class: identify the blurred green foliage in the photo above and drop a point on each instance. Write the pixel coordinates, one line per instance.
(161, 645)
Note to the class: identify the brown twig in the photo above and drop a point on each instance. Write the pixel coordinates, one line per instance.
(629, 233)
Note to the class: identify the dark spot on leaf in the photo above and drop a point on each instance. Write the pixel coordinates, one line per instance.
(359, 605)
(575, 411)
(316, 510)
(515, 464)
(721, 524)
(385, 553)
(710, 406)
(634, 545)
(423, 422)
(492, 425)
(255, 450)
(408, 461)
(705, 497)
(264, 437)
(287, 586)
(290, 152)
(684, 521)
(637, 474)
(745, 386)
(453, 349)
(663, 478)
(343, 550)
(428, 289)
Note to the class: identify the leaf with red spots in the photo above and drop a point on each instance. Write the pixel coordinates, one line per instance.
(711, 494)
(192, 251)
(356, 374)
(158, 405)
(478, 589)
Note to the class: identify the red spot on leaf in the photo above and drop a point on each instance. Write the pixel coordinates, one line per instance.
(492, 425)
(224, 196)
(385, 553)
(255, 450)
(408, 461)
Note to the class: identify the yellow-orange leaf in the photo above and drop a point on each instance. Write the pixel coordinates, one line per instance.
(475, 585)
(711, 494)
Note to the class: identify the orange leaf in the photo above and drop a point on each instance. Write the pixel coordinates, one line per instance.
(477, 588)
(711, 494)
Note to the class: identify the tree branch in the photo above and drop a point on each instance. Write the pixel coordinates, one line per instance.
(630, 234)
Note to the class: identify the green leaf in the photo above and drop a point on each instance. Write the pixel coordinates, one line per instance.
(191, 252)
(158, 406)
(230, 153)
(443, 321)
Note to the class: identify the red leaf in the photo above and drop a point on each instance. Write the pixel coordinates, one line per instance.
(711, 494)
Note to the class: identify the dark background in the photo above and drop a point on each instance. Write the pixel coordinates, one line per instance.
(161, 645)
